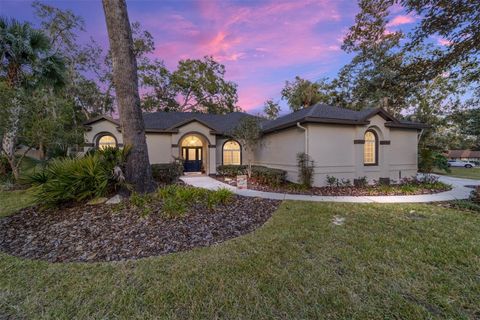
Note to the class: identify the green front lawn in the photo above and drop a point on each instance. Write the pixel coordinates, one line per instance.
(12, 201)
(472, 173)
(385, 261)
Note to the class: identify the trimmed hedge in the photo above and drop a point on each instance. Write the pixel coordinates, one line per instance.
(231, 170)
(167, 172)
(264, 175)
(269, 176)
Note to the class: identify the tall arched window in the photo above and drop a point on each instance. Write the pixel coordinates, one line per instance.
(370, 149)
(107, 141)
(232, 153)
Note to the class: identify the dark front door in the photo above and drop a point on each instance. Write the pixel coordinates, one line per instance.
(193, 159)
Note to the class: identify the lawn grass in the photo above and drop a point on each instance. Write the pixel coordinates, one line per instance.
(11, 201)
(386, 261)
(468, 173)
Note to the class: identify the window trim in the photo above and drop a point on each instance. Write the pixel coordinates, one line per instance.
(376, 148)
(104, 134)
(223, 150)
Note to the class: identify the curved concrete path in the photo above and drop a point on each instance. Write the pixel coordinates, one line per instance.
(459, 191)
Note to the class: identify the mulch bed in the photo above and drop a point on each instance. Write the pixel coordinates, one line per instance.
(329, 191)
(106, 233)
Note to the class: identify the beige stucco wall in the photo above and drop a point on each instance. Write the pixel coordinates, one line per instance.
(403, 153)
(102, 126)
(279, 150)
(159, 148)
(332, 150)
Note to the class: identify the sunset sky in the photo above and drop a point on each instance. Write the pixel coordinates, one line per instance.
(261, 43)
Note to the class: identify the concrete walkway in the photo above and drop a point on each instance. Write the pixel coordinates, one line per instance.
(459, 191)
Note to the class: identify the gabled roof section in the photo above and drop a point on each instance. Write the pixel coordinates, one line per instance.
(101, 118)
(88, 124)
(168, 121)
(187, 121)
(368, 113)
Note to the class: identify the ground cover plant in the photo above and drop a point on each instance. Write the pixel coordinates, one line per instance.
(175, 218)
(426, 184)
(310, 260)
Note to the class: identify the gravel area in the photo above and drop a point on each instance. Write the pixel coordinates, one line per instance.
(86, 233)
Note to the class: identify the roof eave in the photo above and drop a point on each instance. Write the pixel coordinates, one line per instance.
(100, 118)
(417, 126)
(316, 120)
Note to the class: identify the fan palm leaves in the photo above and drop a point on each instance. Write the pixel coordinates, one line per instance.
(26, 61)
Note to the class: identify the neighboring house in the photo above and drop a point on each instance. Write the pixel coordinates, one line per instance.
(343, 143)
(465, 155)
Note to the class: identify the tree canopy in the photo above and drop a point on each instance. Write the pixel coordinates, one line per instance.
(197, 85)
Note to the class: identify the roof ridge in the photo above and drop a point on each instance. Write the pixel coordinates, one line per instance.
(312, 110)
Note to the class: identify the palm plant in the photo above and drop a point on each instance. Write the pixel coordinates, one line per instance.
(26, 61)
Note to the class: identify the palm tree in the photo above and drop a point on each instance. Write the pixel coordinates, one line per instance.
(25, 61)
(125, 79)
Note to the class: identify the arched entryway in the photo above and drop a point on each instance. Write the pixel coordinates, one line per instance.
(193, 151)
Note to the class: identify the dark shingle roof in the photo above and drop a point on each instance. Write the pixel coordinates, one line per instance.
(224, 124)
(318, 111)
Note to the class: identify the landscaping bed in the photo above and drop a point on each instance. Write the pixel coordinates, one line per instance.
(130, 230)
(407, 188)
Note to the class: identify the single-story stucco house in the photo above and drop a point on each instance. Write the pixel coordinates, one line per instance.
(343, 143)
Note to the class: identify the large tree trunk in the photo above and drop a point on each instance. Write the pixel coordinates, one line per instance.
(138, 171)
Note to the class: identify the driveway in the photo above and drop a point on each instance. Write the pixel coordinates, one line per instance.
(459, 191)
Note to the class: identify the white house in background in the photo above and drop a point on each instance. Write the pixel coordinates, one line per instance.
(343, 143)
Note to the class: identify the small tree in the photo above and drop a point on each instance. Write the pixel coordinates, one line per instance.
(248, 133)
(271, 109)
(430, 159)
(305, 169)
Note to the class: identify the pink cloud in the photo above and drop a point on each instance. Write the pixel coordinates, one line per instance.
(253, 40)
(400, 20)
(444, 42)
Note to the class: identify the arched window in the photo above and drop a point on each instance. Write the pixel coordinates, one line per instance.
(370, 149)
(107, 141)
(232, 153)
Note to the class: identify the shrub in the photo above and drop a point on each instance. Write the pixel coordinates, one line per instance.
(429, 159)
(332, 181)
(231, 170)
(77, 179)
(269, 176)
(263, 175)
(360, 182)
(305, 169)
(475, 195)
(167, 172)
(345, 183)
